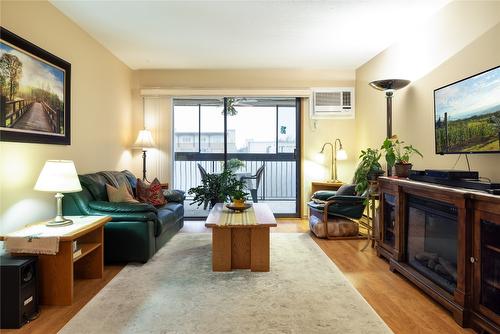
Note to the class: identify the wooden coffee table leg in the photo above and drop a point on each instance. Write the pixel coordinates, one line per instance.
(260, 249)
(221, 249)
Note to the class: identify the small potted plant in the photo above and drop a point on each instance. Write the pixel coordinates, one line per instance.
(369, 169)
(398, 154)
(238, 197)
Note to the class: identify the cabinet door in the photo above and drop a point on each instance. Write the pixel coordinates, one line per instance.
(387, 222)
(486, 292)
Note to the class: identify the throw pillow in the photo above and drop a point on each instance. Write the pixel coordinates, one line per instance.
(150, 193)
(346, 190)
(120, 194)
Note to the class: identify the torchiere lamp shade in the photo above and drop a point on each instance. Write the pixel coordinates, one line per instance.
(389, 84)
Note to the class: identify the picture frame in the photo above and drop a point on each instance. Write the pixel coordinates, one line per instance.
(35, 93)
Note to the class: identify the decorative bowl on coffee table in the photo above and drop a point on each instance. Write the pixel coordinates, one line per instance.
(239, 208)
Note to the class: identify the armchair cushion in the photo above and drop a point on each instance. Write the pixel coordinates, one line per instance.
(323, 195)
(110, 207)
(347, 189)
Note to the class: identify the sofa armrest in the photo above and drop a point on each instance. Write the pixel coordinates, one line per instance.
(173, 195)
(110, 207)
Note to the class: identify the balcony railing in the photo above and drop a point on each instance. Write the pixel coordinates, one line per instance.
(279, 179)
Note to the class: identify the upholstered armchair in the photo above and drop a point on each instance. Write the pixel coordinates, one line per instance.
(334, 214)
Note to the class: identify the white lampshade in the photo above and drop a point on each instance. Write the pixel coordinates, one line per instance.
(58, 176)
(144, 140)
(341, 154)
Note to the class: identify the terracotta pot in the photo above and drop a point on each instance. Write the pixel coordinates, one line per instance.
(403, 170)
(239, 202)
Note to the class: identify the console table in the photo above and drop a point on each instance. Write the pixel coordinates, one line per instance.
(57, 272)
(446, 241)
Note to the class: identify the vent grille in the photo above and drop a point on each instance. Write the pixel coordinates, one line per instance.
(328, 99)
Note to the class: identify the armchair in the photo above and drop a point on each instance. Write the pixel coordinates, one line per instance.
(333, 215)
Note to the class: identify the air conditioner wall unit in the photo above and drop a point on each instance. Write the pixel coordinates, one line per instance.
(336, 102)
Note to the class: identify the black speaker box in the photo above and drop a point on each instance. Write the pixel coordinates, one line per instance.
(19, 299)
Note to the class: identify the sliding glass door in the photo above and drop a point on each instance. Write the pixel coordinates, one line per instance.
(263, 133)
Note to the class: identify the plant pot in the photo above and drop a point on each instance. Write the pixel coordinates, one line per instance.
(403, 170)
(238, 202)
(374, 175)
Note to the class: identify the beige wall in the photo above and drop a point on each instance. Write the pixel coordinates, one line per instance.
(459, 41)
(315, 133)
(100, 112)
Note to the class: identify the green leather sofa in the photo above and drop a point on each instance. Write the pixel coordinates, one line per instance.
(137, 230)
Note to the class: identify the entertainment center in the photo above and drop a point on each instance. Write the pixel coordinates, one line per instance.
(445, 240)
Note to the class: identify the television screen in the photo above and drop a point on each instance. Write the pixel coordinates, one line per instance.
(467, 114)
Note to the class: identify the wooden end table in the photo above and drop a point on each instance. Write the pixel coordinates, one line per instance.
(240, 240)
(57, 272)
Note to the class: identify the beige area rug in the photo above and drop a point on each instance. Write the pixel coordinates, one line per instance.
(177, 292)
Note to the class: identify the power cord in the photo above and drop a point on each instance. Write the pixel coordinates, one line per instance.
(468, 164)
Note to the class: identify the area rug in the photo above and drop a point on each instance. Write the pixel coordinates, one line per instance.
(177, 292)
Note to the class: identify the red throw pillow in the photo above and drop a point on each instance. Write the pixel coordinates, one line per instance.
(150, 193)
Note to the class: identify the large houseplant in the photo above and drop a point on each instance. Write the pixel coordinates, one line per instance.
(369, 169)
(217, 188)
(398, 154)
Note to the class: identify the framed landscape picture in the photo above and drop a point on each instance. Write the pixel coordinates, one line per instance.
(34, 93)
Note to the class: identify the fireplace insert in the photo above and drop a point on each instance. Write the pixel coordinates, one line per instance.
(431, 245)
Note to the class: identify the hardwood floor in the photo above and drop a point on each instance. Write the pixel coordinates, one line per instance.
(400, 304)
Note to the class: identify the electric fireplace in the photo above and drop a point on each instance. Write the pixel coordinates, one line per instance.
(432, 240)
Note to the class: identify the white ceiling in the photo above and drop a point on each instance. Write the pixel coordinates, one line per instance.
(247, 34)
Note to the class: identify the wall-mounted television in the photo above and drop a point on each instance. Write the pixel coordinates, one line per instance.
(467, 115)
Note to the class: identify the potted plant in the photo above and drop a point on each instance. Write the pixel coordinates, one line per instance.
(238, 197)
(369, 169)
(398, 154)
(216, 188)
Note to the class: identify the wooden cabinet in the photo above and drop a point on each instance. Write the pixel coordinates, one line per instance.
(446, 241)
(486, 263)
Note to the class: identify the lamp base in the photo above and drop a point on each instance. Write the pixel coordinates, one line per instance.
(59, 221)
(334, 181)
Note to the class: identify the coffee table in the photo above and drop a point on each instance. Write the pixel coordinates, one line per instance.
(240, 240)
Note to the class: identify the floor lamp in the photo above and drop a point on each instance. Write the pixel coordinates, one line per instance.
(144, 140)
(389, 86)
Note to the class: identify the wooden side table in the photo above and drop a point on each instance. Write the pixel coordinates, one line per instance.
(323, 185)
(57, 272)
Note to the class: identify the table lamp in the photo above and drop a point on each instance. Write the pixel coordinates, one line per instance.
(337, 154)
(144, 142)
(58, 176)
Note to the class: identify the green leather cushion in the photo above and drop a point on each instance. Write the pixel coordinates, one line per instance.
(167, 217)
(323, 195)
(96, 185)
(345, 206)
(177, 209)
(121, 207)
